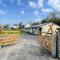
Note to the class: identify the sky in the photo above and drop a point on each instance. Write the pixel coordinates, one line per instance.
(15, 11)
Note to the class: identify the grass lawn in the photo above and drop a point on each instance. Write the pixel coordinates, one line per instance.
(7, 32)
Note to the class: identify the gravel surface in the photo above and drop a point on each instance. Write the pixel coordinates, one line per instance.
(27, 49)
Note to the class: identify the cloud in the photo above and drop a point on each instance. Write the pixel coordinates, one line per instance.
(36, 13)
(55, 4)
(32, 4)
(47, 10)
(38, 19)
(2, 13)
(22, 12)
(40, 3)
(37, 4)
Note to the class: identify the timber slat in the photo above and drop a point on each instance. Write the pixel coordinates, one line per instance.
(8, 37)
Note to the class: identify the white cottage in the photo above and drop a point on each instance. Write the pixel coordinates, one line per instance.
(48, 28)
(43, 28)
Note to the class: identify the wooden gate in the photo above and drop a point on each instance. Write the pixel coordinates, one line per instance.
(8, 37)
(46, 39)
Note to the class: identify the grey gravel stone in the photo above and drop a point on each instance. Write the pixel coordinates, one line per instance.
(29, 51)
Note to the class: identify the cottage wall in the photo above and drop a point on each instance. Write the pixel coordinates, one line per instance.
(45, 28)
(36, 31)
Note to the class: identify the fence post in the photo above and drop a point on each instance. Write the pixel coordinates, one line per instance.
(58, 44)
(54, 44)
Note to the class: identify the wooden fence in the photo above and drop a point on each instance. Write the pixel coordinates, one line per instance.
(51, 42)
(8, 37)
(45, 41)
(45, 38)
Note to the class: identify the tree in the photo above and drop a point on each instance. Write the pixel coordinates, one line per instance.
(35, 23)
(6, 26)
(52, 18)
(44, 20)
(20, 26)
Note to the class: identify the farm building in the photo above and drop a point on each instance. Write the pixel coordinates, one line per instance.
(14, 27)
(42, 28)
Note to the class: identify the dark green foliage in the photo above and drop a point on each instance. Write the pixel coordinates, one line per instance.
(53, 20)
(52, 17)
(20, 26)
(34, 23)
(44, 21)
(6, 27)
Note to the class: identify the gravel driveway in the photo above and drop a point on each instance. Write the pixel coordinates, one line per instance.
(27, 50)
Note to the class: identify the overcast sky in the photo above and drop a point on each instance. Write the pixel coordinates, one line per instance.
(15, 11)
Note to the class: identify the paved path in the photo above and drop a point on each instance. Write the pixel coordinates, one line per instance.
(27, 50)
